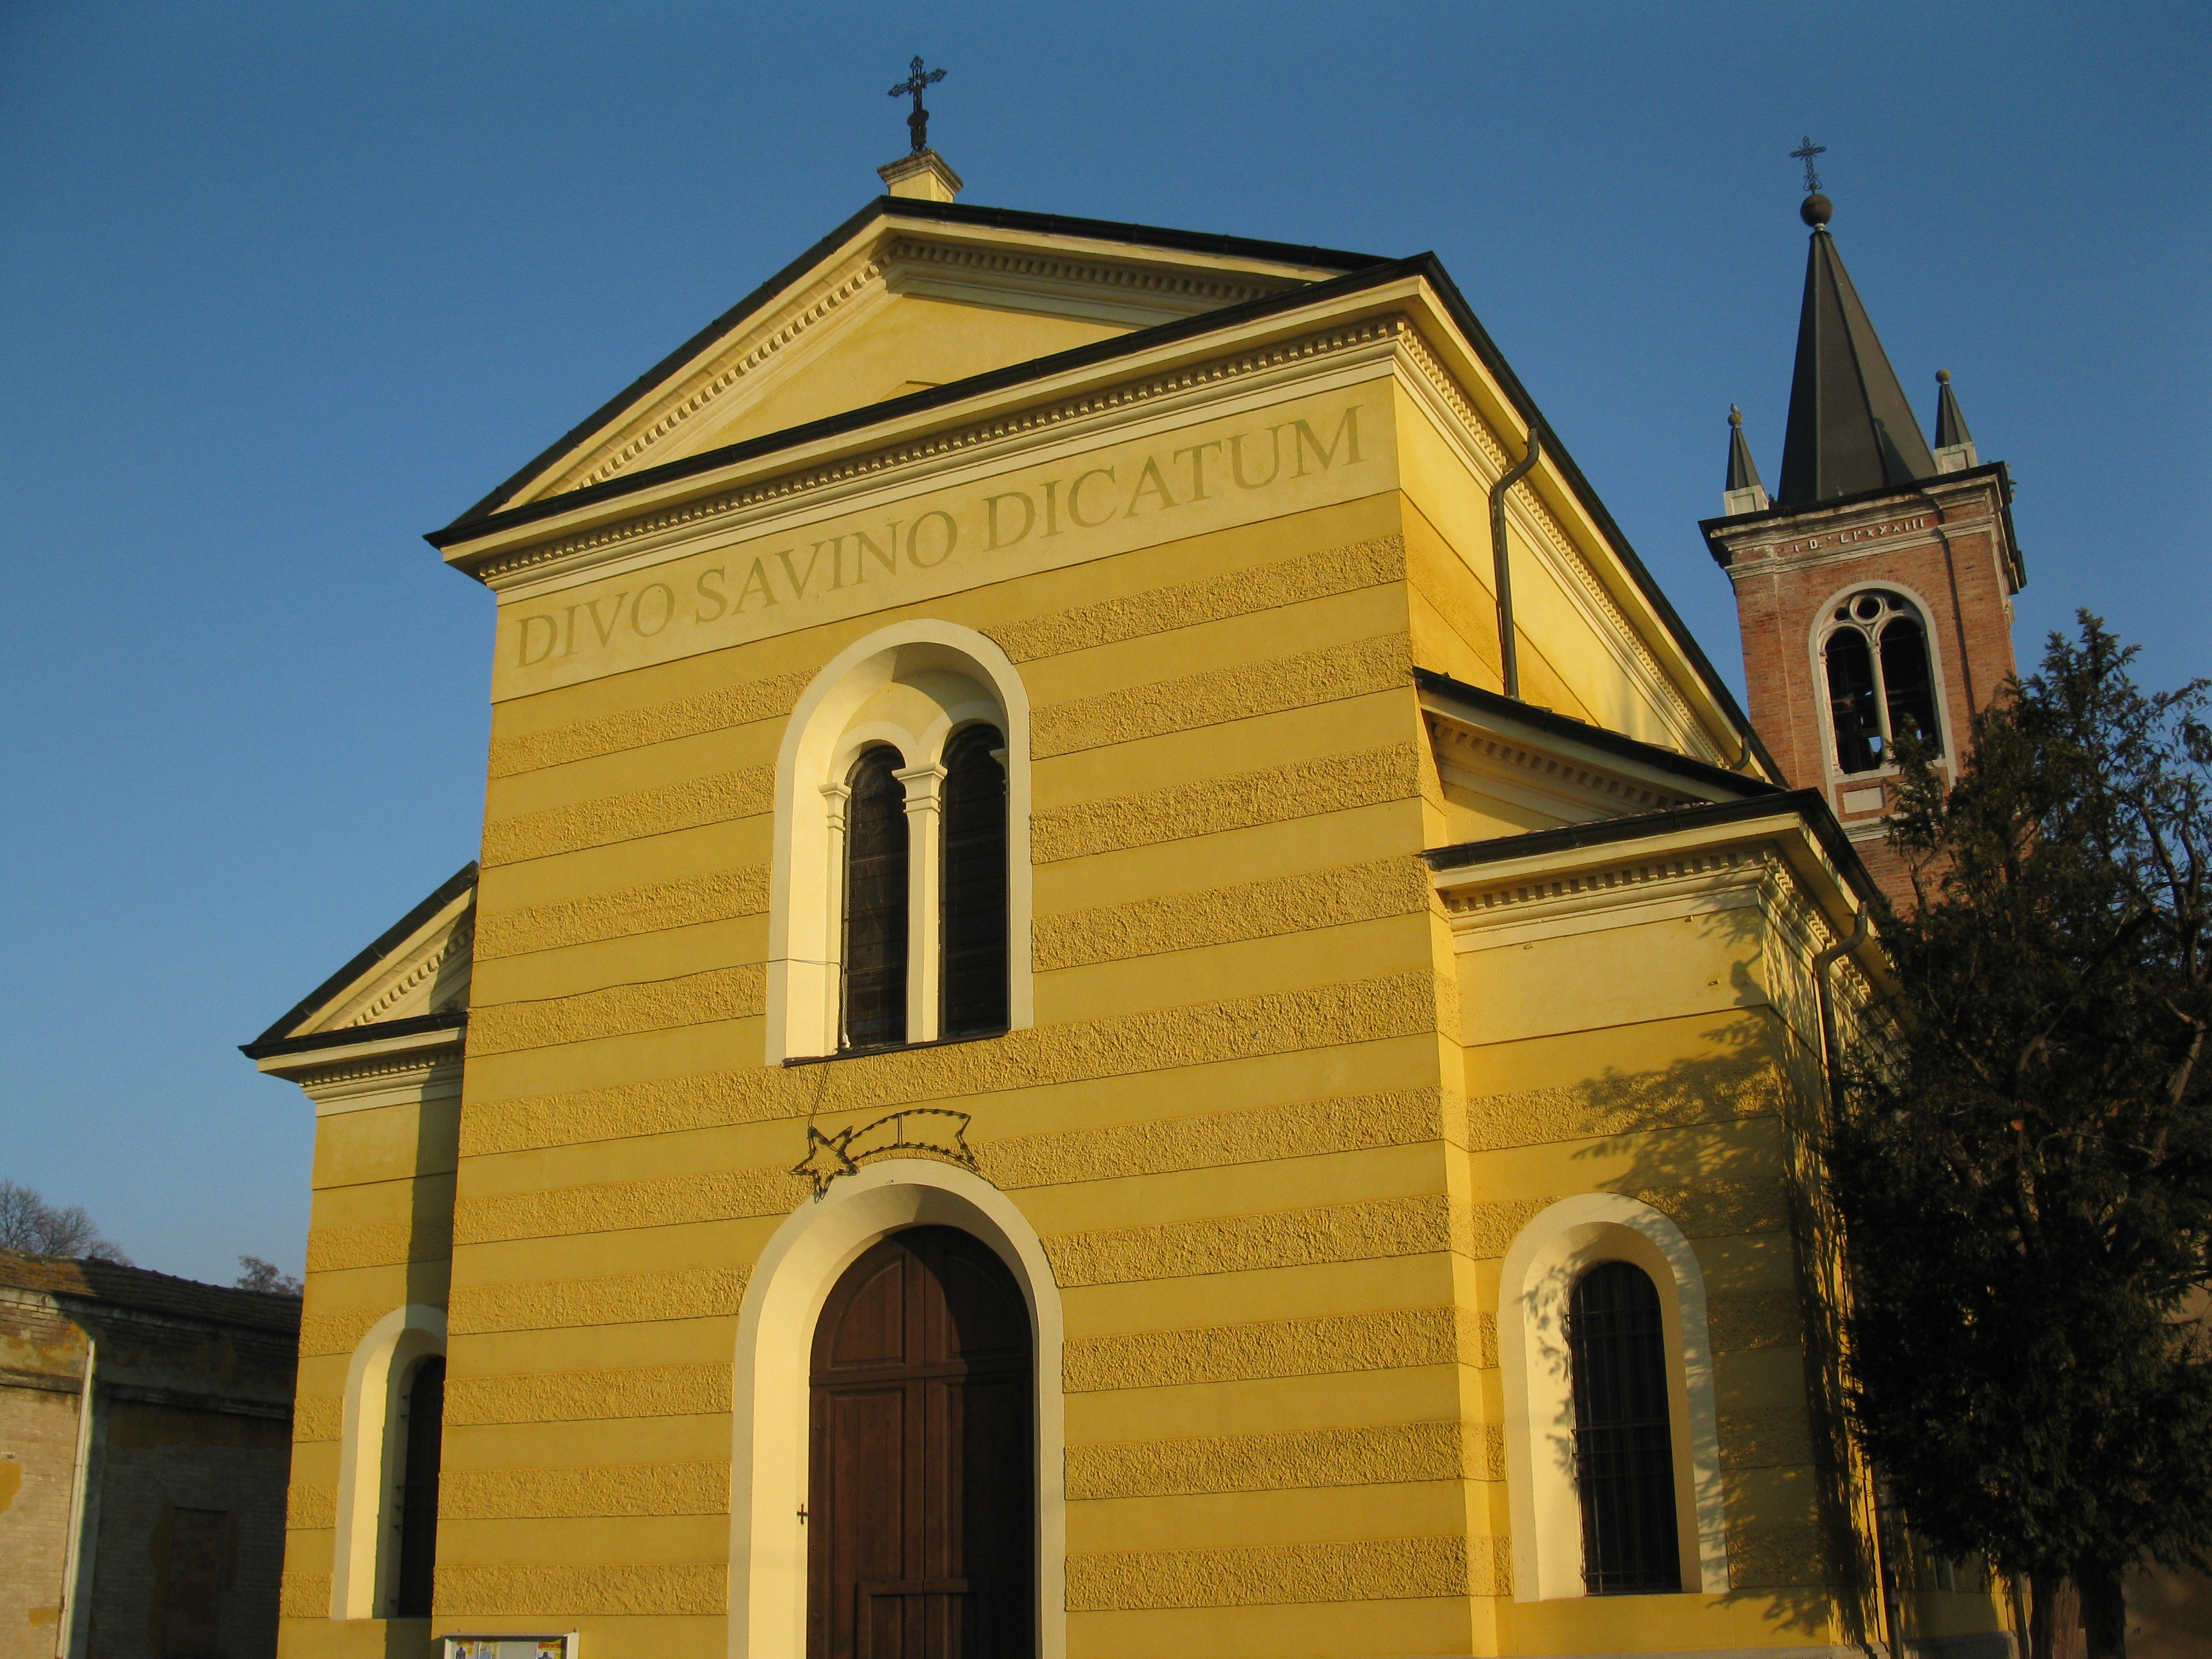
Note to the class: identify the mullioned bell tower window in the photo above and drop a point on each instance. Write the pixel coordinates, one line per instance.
(1879, 685)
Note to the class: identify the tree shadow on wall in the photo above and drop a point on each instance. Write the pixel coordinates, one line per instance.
(1720, 1143)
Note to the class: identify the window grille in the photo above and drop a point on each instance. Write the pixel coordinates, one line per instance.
(975, 885)
(875, 901)
(1623, 1445)
(422, 1434)
(1879, 685)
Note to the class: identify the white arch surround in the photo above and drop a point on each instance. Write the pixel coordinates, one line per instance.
(1539, 1272)
(1816, 641)
(361, 1566)
(771, 1398)
(911, 685)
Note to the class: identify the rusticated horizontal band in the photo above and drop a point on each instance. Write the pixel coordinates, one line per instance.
(610, 1490)
(586, 1396)
(660, 722)
(1382, 1455)
(630, 1298)
(1218, 695)
(1365, 1570)
(652, 907)
(1279, 1022)
(658, 1005)
(613, 818)
(608, 1591)
(1210, 599)
(1275, 794)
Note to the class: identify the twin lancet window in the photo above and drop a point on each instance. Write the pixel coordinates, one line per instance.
(1623, 1443)
(1879, 685)
(924, 947)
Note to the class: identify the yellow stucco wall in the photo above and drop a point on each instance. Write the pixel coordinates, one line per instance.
(1275, 1122)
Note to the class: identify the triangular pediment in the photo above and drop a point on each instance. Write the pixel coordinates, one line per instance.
(418, 969)
(1506, 768)
(905, 296)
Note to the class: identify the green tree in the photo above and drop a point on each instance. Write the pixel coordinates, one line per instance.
(2023, 1166)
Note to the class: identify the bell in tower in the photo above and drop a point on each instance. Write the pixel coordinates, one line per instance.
(1874, 589)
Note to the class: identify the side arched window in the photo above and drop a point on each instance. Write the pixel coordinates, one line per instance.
(1881, 684)
(875, 942)
(974, 928)
(1624, 1443)
(421, 1433)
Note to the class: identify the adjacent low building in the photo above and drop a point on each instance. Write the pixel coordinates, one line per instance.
(145, 1431)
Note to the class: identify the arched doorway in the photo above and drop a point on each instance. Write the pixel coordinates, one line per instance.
(921, 1528)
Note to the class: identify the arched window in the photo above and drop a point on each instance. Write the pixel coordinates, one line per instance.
(974, 926)
(875, 953)
(1624, 1447)
(1881, 686)
(912, 743)
(921, 1508)
(422, 1431)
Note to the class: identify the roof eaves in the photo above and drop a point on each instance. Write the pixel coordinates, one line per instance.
(1809, 805)
(346, 1036)
(1566, 726)
(898, 207)
(389, 940)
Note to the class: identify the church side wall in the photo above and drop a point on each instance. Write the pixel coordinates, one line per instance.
(380, 1232)
(1654, 1044)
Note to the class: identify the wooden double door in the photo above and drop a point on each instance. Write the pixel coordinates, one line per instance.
(921, 1521)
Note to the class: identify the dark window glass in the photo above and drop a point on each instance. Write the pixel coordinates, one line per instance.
(875, 901)
(974, 890)
(1907, 682)
(422, 1434)
(1851, 703)
(1623, 1447)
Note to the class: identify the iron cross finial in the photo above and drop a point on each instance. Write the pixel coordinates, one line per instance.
(917, 125)
(1805, 150)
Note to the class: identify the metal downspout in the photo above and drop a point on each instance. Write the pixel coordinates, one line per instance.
(1509, 659)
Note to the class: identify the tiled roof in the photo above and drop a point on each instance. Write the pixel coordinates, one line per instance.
(141, 1288)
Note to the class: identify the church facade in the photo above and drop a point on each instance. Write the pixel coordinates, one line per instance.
(1129, 993)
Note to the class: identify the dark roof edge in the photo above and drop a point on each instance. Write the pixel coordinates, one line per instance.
(359, 964)
(900, 207)
(263, 1047)
(952, 392)
(1596, 737)
(1810, 804)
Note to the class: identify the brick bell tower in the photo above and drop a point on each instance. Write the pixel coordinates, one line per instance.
(1875, 588)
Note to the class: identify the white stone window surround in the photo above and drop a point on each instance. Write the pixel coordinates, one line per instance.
(364, 1556)
(1823, 623)
(772, 1398)
(913, 685)
(1538, 1272)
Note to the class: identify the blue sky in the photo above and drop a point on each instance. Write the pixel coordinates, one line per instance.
(286, 285)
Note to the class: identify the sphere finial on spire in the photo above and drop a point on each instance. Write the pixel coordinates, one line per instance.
(1816, 210)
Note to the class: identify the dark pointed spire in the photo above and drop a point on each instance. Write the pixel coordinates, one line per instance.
(1850, 428)
(1954, 444)
(1744, 492)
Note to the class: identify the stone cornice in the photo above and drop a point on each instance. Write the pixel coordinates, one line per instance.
(934, 448)
(1480, 752)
